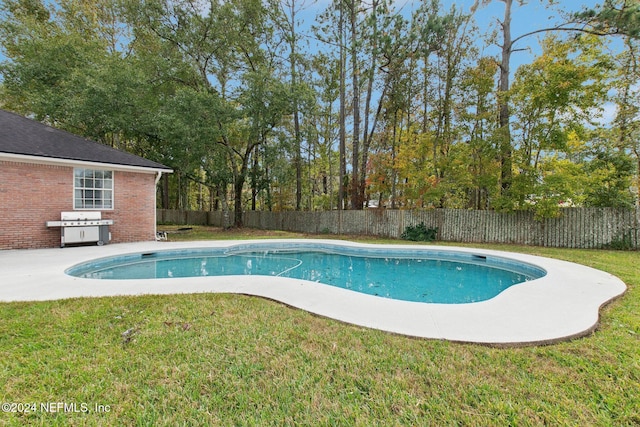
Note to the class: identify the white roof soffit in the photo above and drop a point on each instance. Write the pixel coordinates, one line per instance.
(78, 163)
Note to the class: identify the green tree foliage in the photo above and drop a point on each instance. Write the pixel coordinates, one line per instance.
(625, 133)
(610, 174)
(254, 110)
(554, 98)
(613, 17)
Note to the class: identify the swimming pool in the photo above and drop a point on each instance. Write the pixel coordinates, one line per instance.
(563, 304)
(428, 276)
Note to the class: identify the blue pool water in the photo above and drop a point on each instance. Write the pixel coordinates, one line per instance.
(413, 275)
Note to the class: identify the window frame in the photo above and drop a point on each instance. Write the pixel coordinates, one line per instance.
(91, 181)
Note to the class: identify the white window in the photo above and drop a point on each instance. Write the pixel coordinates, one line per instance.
(92, 189)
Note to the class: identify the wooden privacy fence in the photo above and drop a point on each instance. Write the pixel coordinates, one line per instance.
(575, 228)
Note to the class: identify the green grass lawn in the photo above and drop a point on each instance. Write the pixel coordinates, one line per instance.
(214, 359)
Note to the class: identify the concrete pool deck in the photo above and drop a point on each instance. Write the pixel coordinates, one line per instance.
(562, 305)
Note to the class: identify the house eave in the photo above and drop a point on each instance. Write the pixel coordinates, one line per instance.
(23, 158)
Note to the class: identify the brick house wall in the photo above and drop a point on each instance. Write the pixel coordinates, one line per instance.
(134, 213)
(32, 194)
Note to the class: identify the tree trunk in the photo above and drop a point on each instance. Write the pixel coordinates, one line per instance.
(296, 113)
(503, 102)
(237, 206)
(367, 135)
(356, 203)
(165, 191)
(342, 115)
(254, 181)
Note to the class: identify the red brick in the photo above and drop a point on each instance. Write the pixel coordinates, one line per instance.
(32, 194)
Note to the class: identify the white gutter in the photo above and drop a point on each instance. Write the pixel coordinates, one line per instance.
(155, 209)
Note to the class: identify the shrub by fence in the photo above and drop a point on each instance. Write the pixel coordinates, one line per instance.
(575, 228)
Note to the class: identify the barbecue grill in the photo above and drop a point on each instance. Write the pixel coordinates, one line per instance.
(82, 227)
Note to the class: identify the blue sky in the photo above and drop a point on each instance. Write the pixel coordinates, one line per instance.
(534, 15)
(529, 17)
(526, 18)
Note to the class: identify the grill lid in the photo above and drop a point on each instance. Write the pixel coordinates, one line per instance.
(80, 216)
(79, 219)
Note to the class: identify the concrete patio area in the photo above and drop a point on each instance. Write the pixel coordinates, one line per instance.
(562, 305)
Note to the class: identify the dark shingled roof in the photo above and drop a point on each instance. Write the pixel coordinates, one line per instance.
(19, 135)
